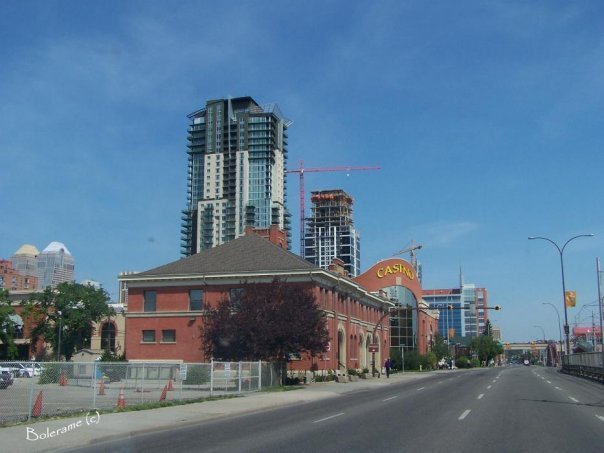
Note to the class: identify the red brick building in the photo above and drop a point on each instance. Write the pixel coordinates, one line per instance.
(12, 280)
(165, 306)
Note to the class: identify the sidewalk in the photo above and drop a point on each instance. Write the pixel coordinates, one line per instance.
(53, 435)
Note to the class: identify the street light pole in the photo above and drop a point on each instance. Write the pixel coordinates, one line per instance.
(544, 340)
(561, 252)
(600, 307)
(559, 324)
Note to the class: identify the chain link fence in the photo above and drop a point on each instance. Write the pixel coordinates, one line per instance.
(61, 388)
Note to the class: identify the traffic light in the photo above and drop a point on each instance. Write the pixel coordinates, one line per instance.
(449, 307)
(497, 307)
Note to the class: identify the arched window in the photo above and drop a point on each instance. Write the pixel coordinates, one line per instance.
(108, 337)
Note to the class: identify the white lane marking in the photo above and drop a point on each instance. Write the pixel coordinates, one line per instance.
(391, 398)
(330, 417)
(480, 396)
(494, 382)
(464, 415)
(573, 399)
(558, 388)
(421, 388)
(600, 417)
(549, 382)
(489, 386)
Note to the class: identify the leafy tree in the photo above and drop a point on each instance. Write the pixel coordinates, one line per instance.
(488, 329)
(7, 325)
(266, 322)
(486, 347)
(440, 348)
(71, 307)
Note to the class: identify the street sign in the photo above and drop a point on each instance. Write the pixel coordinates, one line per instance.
(183, 372)
(374, 347)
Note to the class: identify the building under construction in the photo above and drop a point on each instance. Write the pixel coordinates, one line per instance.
(330, 231)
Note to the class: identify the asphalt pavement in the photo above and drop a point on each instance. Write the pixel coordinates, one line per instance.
(66, 433)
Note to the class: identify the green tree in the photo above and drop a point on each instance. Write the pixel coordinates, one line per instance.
(486, 347)
(440, 348)
(266, 322)
(488, 329)
(71, 307)
(7, 324)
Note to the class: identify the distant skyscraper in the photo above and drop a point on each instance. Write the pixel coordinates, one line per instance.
(25, 262)
(330, 231)
(55, 265)
(236, 172)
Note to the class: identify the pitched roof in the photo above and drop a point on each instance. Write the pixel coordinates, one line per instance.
(250, 253)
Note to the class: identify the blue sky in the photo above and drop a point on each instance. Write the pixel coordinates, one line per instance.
(486, 118)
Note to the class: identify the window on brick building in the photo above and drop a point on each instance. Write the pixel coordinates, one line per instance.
(150, 300)
(168, 336)
(236, 296)
(148, 336)
(195, 299)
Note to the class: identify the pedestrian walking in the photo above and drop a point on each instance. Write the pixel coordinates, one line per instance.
(388, 365)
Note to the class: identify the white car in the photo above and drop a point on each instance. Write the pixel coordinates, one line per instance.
(27, 370)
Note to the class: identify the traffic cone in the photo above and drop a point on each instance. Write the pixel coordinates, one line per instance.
(163, 393)
(121, 401)
(170, 385)
(102, 388)
(36, 411)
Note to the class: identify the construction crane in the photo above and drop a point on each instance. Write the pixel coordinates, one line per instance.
(301, 170)
(411, 250)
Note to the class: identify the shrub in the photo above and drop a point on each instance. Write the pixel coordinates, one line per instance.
(428, 361)
(474, 363)
(52, 373)
(462, 362)
(352, 372)
(197, 375)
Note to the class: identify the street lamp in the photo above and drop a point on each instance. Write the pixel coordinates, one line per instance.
(557, 314)
(544, 341)
(561, 252)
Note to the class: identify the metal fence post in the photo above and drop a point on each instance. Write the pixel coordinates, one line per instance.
(259, 375)
(31, 398)
(143, 384)
(211, 377)
(239, 374)
(94, 386)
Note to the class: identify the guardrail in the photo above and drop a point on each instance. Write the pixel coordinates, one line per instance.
(588, 365)
(62, 388)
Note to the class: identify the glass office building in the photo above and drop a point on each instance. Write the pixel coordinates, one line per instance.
(468, 315)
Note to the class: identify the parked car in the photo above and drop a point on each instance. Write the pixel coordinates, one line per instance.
(29, 369)
(6, 378)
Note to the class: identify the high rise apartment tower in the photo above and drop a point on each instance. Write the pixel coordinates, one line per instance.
(236, 172)
(330, 232)
(55, 265)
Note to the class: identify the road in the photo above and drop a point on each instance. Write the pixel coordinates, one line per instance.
(513, 409)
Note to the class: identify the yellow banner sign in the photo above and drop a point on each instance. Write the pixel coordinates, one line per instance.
(570, 298)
